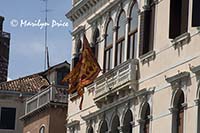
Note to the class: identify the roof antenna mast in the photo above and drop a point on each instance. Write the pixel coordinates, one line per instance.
(46, 59)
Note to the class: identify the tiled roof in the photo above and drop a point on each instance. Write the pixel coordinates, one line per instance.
(32, 83)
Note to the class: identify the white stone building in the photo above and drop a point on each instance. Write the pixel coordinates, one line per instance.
(149, 53)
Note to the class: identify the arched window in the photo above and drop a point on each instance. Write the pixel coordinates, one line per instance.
(108, 46)
(95, 42)
(132, 35)
(144, 128)
(90, 130)
(104, 127)
(115, 125)
(178, 114)
(77, 50)
(42, 129)
(127, 122)
(120, 47)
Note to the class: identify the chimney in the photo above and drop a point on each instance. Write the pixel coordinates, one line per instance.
(1, 23)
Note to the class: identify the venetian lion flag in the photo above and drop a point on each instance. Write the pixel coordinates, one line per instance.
(84, 73)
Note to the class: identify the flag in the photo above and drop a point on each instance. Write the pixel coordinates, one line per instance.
(85, 71)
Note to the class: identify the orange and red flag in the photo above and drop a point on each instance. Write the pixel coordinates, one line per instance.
(85, 71)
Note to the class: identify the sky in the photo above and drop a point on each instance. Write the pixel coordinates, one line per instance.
(23, 19)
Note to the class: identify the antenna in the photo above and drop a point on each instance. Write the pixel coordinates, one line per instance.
(46, 56)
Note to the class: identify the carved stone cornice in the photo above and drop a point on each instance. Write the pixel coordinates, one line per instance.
(178, 77)
(195, 70)
(78, 30)
(73, 123)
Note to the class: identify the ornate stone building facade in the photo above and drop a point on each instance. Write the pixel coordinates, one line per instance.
(149, 54)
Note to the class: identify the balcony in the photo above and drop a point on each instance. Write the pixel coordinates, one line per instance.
(52, 94)
(120, 78)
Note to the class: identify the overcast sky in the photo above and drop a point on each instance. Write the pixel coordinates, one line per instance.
(27, 42)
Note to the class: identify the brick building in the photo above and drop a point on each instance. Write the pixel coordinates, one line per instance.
(4, 51)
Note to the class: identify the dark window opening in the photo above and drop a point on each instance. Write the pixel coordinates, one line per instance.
(90, 130)
(77, 54)
(178, 18)
(42, 129)
(195, 13)
(61, 73)
(7, 120)
(178, 114)
(95, 43)
(144, 127)
(147, 29)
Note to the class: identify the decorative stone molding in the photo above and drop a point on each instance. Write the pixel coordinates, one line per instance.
(132, 123)
(197, 102)
(141, 121)
(79, 30)
(115, 28)
(184, 105)
(146, 58)
(181, 40)
(173, 110)
(73, 123)
(150, 117)
(174, 80)
(195, 70)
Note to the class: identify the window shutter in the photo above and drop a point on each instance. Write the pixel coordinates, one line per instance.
(184, 16)
(195, 13)
(145, 28)
(142, 33)
(175, 19)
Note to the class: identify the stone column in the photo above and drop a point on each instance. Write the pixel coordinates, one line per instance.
(141, 124)
(120, 128)
(126, 37)
(197, 103)
(133, 125)
(114, 45)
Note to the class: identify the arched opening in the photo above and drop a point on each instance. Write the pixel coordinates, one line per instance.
(108, 52)
(132, 35)
(178, 113)
(145, 113)
(78, 51)
(104, 127)
(127, 126)
(42, 129)
(90, 130)
(115, 124)
(95, 42)
(120, 45)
